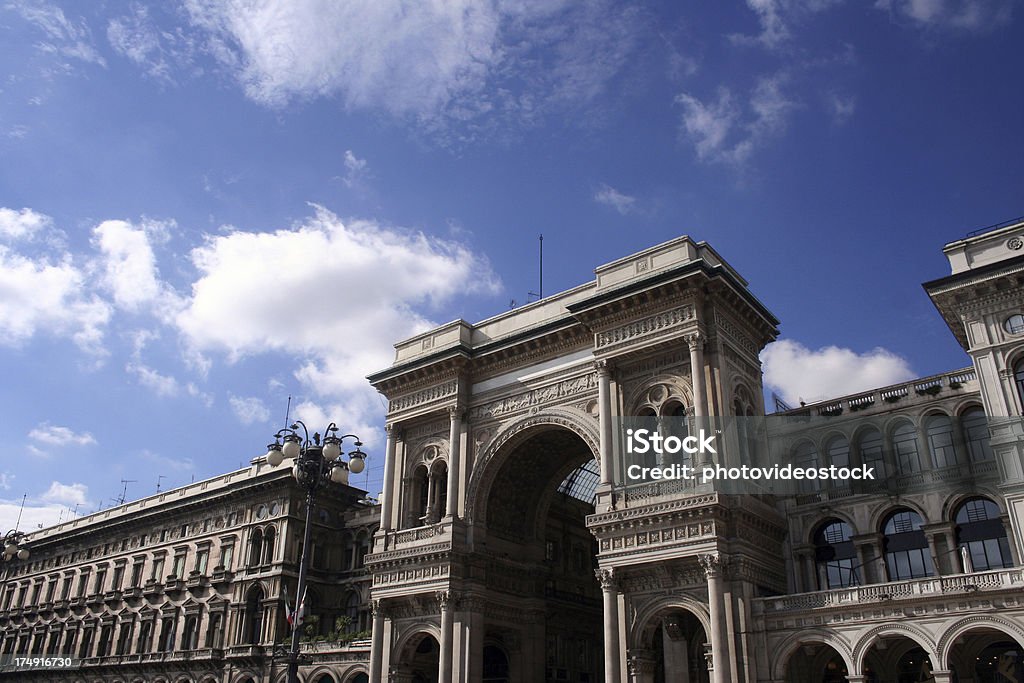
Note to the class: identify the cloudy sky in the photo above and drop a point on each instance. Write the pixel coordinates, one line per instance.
(212, 205)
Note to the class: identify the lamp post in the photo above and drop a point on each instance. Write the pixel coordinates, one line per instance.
(315, 464)
(13, 549)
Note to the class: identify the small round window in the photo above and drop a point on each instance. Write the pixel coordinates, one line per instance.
(1014, 324)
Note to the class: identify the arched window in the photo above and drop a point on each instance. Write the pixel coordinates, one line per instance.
(940, 440)
(213, 631)
(1018, 379)
(495, 665)
(145, 637)
(975, 426)
(352, 612)
(440, 483)
(835, 556)
(806, 455)
(348, 554)
(904, 442)
(906, 547)
(871, 455)
(255, 547)
(268, 545)
(421, 487)
(252, 632)
(362, 547)
(190, 638)
(980, 529)
(839, 452)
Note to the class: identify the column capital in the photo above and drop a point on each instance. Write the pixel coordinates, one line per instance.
(603, 367)
(446, 599)
(606, 575)
(378, 609)
(712, 563)
(393, 430)
(695, 340)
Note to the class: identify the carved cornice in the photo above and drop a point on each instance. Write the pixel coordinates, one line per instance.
(651, 325)
(534, 398)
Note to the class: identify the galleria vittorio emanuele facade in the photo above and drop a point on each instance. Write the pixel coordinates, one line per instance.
(513, 545)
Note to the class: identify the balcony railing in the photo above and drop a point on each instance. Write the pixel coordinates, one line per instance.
(995, 580)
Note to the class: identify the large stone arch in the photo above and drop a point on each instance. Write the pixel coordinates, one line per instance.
(498, 450)
(414, 632)
(641, 622)
(910, 631)
(784, 650)
(959, 628)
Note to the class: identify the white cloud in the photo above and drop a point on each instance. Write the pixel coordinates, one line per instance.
(722, 132)
(776, 17)
(162, 385)
(5, 480)
(54, 435)
(128, 263)
(456, 61)
(242, 306)
(842, 107)
(609, 196)
(249, 409)
(37, 294)
(67, 494)
(64, 37)
(178, 464)
(22, 224)
(975, 16)
(797, 373)
(159, 52)
(355, 169)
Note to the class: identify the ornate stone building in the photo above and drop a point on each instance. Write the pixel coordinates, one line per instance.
(189, 586)
(512, 548)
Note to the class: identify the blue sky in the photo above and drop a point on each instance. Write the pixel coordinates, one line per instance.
(209, 206)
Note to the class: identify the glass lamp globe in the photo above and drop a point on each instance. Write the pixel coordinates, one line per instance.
(331, 450)
(10, 549)
(339, 474)
(356, 463)
(274, 456)
(22, 554)
(291, 448)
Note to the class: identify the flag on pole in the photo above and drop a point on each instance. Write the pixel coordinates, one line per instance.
(300, 611)
(289, 615)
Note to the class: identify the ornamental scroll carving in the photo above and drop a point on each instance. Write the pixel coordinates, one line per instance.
(536, 397)
(433, 393)
(644, 326)
(606, 576)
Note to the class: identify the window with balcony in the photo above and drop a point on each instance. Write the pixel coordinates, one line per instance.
(907, 555)
(835, 555)
(979, 528)
(904, 443)
(939, 429)
(975, 427)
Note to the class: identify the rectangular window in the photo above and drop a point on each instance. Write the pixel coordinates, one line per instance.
(101, 580)
(158, 569)
(118, 578)
(179, 565)
(137, 574)
(83, 581)
(227, 556)
(201, 559)
(36, 588)
(51, 590)
(66, 589)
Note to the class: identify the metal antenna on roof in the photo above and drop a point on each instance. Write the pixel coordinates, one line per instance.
(158, 480)
(288, 413)
(124, 490)
(540, 289)
(22, 509)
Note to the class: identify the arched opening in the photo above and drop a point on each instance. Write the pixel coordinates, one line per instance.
(420, 660)
(535, 512)
(1018, 379)
(904, 443)
(420, 496)
(869, 446)
(816, 663)
(835, 555)
(907, 555)
(495, 664)
(980, 531)
(255, 547)
(673, 648)
(268, 545)
(360, 677)
(806, 455)
(939, 429)
(190, 638)
(325, 678)
(897, 659)
(986, 655)
(252, 625)
(976, 434)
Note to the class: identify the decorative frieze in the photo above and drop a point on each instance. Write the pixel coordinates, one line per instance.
(430, 394)
(535, 397)
(652, 324)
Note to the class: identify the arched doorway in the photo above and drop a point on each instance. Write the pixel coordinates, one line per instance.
(673, 649)
(541, 556)
(986, 655)
(421, 659)
(495, 665)
(897, 659)
(816, 663)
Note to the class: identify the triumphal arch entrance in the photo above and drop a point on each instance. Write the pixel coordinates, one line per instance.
(511, 547)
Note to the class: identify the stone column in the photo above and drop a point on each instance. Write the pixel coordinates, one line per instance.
(712, 564)
(377, 642)
(444, 601)
(700, 402)
(389, 497)
(604, 403)
(942, 676)
(430, 515)
(609, 587)
(454, 460)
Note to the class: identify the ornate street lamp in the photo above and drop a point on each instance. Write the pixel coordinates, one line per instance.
(314, 464)
(13, 544)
